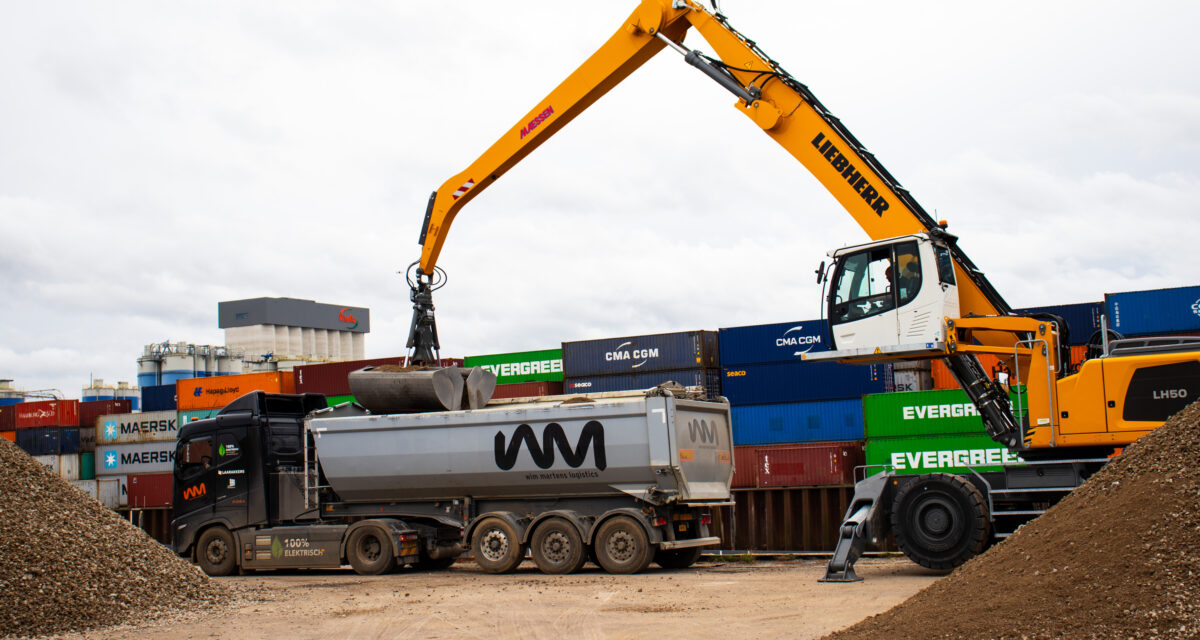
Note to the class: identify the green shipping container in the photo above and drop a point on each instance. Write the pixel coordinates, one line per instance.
(334, 401)
(198, 414)
(523, 366)
(931, 454)
(87, 465)
(922, 413)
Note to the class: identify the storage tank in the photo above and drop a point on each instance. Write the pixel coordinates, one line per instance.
(126, 392)
(229, 364)
(179, 363)
(9, 395)
(98, 391)
(149, 372)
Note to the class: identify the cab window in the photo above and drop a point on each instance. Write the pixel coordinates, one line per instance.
(194, 456)
(863, 287)
(907, 272)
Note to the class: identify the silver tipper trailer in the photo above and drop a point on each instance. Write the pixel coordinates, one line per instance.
(622, 479)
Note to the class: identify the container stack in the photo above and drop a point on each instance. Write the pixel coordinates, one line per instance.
(690, 358)
(131, 445)
(200, 398)
(48, 430)
(927, 432)
(1136, 314)
(524, 374)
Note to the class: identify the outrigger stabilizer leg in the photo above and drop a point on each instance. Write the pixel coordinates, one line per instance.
(861, 525)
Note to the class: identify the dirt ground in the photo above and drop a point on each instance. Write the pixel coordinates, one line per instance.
(724, 599)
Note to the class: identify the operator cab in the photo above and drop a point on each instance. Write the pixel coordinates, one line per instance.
(890, 297)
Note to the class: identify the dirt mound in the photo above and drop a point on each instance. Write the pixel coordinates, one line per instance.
(1118, 558)
(67, 563)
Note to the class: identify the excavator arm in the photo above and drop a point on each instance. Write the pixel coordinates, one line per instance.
(776, 102)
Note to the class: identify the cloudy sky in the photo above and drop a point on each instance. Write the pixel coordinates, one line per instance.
(156, 158)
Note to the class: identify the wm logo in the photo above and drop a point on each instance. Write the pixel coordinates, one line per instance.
(191, 493)
(552, 436)
(700, 430)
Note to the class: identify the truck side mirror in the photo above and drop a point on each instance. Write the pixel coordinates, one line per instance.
(820, 273)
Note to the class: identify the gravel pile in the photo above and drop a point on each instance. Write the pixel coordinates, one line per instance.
(69, 564)
(1117, 558)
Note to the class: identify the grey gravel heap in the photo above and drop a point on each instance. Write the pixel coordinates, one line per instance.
(69, 564)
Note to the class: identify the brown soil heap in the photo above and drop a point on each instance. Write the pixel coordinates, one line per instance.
(68, 563)
(1117, 558)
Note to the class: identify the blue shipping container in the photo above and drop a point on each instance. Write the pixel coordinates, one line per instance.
(48, 441)
(1157, 311)
(8, 402)
(780, 342)
(158, 398)
(798, 422)
(802, 382)
(639, 354)
(1083, 319)
(710, 379)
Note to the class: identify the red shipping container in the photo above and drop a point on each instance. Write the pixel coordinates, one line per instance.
(745, 464)
(8, 417)
(150, 490)
(815, 464)
(330, 378)
(48, 413)
(89, 411)
(528, 389)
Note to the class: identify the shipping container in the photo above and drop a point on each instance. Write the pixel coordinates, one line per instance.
(11, 436)
(929, 454)
(47, 413)
(87, 465)
(814, 421)
(527, 390)
(8, 418)
(710, 379)
(150, 490)
(808, 465)
(153, 426)
(45, 441)
(943, 379)
(783, 520)
(111, 491)
(1083, 319)
(87, 439)
(920, 413)
(334, 401)
(216, 392)
(64, 466)
(779, 342)
(185, 417)
(524, 366)
(912, 380)
(87, 486)
(803, 381)
(640, 354)
(330, 378)
(141, 457)
(1153, 312)
(158, 398)
(745, 463)
(90, 411)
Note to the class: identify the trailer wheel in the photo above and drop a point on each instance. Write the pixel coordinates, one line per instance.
(622, 546)
(677, 558)
(496, 546)
(369, 551)
(216, 553)
(557, 547)
(940, 520)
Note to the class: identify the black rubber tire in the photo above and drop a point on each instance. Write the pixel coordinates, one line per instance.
(496, 546)
(557, 548)
(622, 546)
(677, 558)
(940, 520)
(216, 552)
(369, 551)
